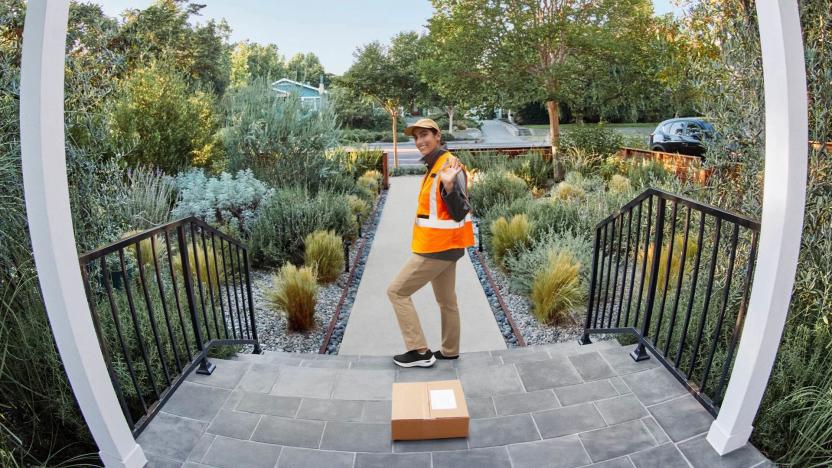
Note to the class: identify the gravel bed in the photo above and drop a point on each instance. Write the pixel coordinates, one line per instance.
(272, 325)
(533, 332)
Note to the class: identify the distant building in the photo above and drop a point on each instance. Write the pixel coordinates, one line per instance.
(311, 97)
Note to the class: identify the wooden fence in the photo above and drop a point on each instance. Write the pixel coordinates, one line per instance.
(683, 166)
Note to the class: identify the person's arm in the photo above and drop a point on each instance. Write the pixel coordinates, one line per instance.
(457, 198)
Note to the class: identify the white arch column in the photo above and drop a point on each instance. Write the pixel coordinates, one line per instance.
(784, 196)
(53, 241)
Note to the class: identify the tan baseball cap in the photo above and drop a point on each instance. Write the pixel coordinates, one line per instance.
(421, 123)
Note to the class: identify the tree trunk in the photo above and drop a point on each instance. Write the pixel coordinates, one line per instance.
(395, 117)
(554, 136)
(450, 110)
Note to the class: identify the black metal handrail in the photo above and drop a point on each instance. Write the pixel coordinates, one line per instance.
(673, 272)
(160, 301)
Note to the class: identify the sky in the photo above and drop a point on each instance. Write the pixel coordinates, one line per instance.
(332, 29)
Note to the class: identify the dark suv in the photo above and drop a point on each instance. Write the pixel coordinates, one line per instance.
(683, 135)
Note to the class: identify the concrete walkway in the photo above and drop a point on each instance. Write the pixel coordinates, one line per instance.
(372, 328)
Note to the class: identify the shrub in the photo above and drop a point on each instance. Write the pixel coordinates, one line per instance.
(675, 261)
(368, 184)
(567, 191)
(507, 236)
(206, 265)
(229, 200)
(374, 174)
(527, 261)
(556, 288)
(294, 292)
(496, 188)
(406, 170)
(280, 140)
(324, 251)
(162, 123)
(150, 196)
(532, 168)
(619, 184)
(645, 174)
(594, 139)
(578, 159)
(553, 214)
(144, 253)
(358, 206)
(291, 214)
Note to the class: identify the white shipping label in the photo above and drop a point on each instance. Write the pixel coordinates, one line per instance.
(442, 399)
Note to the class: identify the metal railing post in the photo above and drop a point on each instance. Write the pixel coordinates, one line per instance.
(639, 354)
(584, 339)
(205, 366)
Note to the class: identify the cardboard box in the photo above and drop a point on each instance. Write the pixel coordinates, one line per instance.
(429, 410)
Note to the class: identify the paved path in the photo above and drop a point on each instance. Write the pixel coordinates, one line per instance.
(557, 405)
(372, 328)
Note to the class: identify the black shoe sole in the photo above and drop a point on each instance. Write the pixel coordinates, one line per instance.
(419, 363)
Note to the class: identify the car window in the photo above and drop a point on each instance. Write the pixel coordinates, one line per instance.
(693, 129)
(677, 128)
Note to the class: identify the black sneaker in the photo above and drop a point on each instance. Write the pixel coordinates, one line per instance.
(415, 359)
(438, 355)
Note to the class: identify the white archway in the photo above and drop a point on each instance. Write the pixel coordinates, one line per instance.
(56, 257)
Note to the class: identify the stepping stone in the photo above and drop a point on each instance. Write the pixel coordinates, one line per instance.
(291, 432)
(615, 441)
(621, 409)
(583, 393)
(196, 401)
(564, 452)
(654, 386)
(568, 420)
(494, 457)
(548, 374)
(172, 436)
(233, 453)
(357, 437)
(502, 431)
(293, 457)
(392, 460)
(664, 456)
(682, 418)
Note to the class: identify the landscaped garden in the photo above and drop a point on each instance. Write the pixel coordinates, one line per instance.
(166, 119)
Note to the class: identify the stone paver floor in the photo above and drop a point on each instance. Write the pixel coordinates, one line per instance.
(558, 405)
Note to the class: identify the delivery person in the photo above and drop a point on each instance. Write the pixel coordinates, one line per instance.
(442, 230)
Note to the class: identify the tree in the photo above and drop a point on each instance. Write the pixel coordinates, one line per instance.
(162, 31)
(251, 61)
(160, 122)
(550, 51)
(389, 76)
(305, 68)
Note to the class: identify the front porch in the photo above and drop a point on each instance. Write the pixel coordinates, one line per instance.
(559, 405)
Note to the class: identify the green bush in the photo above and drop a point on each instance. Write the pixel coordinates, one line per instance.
(324, 251)
(566, 191)
(161, 123)
(556, 288)
(619, 184)
(150, 197)
(360, 135)
(231, 201)
(406, 170)
(532, 168)
(280, 140)
(496, 188)
(527, 261)
(647, 174)
(508, 236)
(294, 291)
(358, 206)
(291, 214)
(594, 139)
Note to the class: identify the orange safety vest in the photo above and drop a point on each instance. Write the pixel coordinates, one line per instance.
(435, 229)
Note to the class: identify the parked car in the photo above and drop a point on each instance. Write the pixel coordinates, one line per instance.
(682, 135)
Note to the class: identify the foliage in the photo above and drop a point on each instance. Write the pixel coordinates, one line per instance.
(358, 206)
(163, 31)
(556, 288)
(507, 236)
(252, 61)
(294, 291)
(593, 139)
(324, 251)
(150, 196)
(494, 188)
(647, 174)
(526, 262)
(161, 123)
(669, 266)
(406, 170)
(360, 135)
(282, 143)
(567, 191)
(230, 201)
(619, 184)
(367, 187)
(291, 214)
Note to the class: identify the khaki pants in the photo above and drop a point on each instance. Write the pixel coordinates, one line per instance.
(415, 274)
